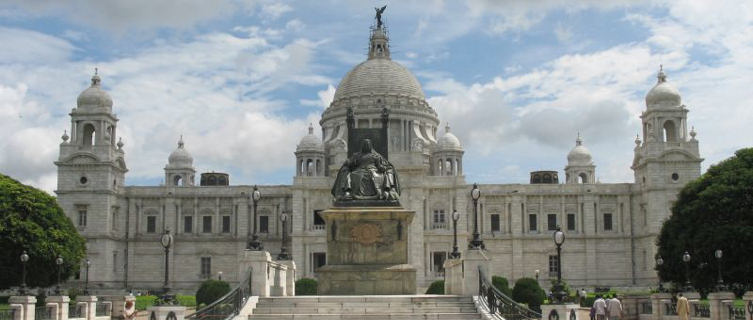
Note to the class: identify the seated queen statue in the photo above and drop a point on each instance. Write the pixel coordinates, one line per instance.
(366, 178)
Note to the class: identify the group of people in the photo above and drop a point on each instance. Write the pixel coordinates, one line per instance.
(606, 308)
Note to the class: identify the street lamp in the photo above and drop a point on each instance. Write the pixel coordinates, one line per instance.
(476, 243)
(659, 263)
(537, 275)
(686, 259)
(24, 259)
(166, 241)
(59, 262)
(283, 247)
(455, 253)
(559, 290)
(720, 281)
(255, 243)
(86, 281)
(219, 275)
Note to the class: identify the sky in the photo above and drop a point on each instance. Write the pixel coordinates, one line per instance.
(242, 79)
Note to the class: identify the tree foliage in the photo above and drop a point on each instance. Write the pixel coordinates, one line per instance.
(502, 285)
(528, 291)
(713, 212)
(436, 287)
(31, 220)
(211, 290)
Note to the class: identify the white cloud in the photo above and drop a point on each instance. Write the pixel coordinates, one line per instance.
(25, 46)
(325, 98)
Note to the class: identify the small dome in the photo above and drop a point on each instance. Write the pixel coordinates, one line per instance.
(310, 142)
(663, 94)
(379, 77)
(180, 158)
(579, 156)
(449, 141)
(94, 97)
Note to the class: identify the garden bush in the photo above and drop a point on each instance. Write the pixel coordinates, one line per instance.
(528, 291)
(436, 287)
(502, 285)
(305, 287)
(211, 290)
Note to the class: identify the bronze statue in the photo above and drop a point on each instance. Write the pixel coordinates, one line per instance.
(379, 15)
(366, 175)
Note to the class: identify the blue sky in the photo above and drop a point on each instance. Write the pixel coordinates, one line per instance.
(242, 79)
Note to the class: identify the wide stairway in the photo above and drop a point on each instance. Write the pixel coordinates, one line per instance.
(366, 307)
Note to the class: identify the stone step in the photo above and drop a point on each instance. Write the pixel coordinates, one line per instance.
(364, 304)
(264, 309)
(368, 299)
(352, 316)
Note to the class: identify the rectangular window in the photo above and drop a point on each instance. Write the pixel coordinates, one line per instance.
(82, 218)
(439, 220)
(319, 259)
(225, 224)
(495, 223)
(571, 222)
(206, 224)
(206, 267)
(114, 261)
(607, 222)
(551, 221)
(553, 266)
(318, 220)
(532, 222)
(115, 222)
(151, 224)
(264, 224)
(187, 224)
(438, 258)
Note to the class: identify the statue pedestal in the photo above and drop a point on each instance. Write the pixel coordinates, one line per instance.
(367, 252)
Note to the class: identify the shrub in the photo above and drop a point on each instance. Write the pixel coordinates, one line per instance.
(502, 285)
(186, 301)
(436, 287)
(143, 302)
(306, 287)
(211, 290)
(528, 291)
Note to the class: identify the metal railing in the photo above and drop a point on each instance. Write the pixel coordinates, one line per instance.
(7, 314)
(670, 309)
(103, 310)
(647, 307)
(42, 313)
(228, 306)
(500, 304)
(701, 311)
(736, 313)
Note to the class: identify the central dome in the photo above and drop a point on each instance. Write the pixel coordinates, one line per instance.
(379, 77)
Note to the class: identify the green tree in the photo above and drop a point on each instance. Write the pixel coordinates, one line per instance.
(211, 290)
(502, 285)
(528, 291)
(31, 220)
(713, 212)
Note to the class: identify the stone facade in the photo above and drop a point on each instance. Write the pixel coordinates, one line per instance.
(610, 228)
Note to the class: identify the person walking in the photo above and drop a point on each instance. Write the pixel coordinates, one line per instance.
(614, 308)
(600, 308)
(683, 307)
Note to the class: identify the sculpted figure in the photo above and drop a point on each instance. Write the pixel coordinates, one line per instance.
(366, 175)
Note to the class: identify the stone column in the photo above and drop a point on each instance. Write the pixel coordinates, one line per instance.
(289, 276)
(748, 298)
(630, 307)
(91, 306)
(119, 305)
(474, 259)
(453, 276)
(60, 304)
(657, 304)
(257, 263)
(716, 308)
(24, 305)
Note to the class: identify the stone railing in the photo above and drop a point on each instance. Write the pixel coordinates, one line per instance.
(439, 226)
(268, 277)
(317, 227)
(61, 308)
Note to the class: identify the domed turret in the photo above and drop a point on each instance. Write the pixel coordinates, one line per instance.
(179, 170)
(309, 156)
(579, 155)
(180, 158)
(449, 141)
(310, 142)
(447, 155)
(663, 94)
(580, 167)
(94, 97)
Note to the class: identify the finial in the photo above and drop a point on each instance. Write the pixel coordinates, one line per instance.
(637, 139)
(378, 17)
(180, 142)
(96, 71)
(311, 128)
(447, 127)
(65, 136)
(579, 140)
(95, 78)
(120, 143)
(692, 133)
(661, 76)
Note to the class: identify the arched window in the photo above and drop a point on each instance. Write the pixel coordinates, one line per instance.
(582, 177)
(319, 167)
(439, 167)
(90, 135)
(177, 180)
(670, 134)
(309, 167)
(547, 178)
(448, 167)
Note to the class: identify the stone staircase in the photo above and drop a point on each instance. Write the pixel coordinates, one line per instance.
(407, 307)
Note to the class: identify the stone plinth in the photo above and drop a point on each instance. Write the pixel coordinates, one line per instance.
(474, 259)
(24, 306)
(163, 312)
(121, 309)
(562, 311)
(367, 252)
(453, 276)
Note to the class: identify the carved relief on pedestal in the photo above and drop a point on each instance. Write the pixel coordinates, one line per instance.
(366, 233)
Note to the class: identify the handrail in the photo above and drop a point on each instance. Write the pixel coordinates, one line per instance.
(228, 305)
(498, 303)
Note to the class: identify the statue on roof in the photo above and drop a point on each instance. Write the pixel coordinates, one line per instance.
(379, 12)
(366, 176)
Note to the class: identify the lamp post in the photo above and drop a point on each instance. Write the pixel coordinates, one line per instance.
(255, 243)
(558, 291)
(283, 247)
(537, 275)
(166, 241)
(24, 259)
(86, 280)
(476, 243)
(59, 262)
(659, 263)
(720, 281)
(455, 253)
(686, 259)
(219, 275)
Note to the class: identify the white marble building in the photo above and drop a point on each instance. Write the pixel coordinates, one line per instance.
(610, 227)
